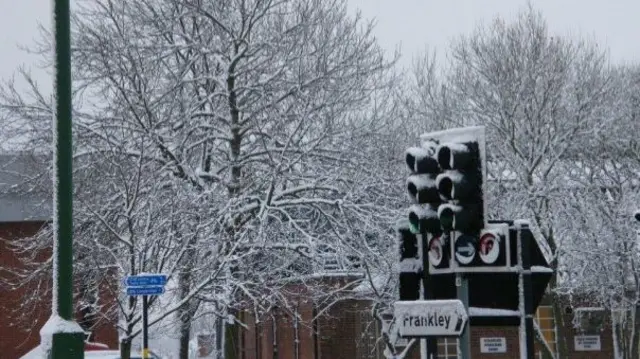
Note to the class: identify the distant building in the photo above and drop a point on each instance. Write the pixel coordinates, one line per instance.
(347, 330)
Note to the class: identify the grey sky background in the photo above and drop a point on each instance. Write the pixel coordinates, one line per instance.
(413, 24)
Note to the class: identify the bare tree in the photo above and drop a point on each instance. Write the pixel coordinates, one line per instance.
(541, 97)
(227, 129)
(600, 252)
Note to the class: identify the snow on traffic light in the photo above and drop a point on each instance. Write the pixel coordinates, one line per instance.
(422, 190)
(410, 262)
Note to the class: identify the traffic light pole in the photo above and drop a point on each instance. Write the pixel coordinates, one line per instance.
(428, 346)
(464, 342)
(61, 336)
(526, 292)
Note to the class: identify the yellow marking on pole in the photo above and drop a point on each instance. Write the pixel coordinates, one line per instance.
(145, 353)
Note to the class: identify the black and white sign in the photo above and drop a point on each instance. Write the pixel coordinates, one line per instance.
(585, 343)
(426, 318)
(493, 345)
(465, 249)
(436, 251)
(489, 247)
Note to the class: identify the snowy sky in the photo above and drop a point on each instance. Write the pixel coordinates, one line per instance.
(415, 24)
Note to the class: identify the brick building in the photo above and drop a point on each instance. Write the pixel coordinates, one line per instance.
(22, 215)
(347, 331)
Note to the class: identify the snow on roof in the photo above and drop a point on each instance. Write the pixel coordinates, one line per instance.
(16, 206)
(379, 281)
(462, 134)
(491, 312)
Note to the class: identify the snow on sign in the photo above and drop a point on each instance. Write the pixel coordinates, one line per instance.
(426, 318)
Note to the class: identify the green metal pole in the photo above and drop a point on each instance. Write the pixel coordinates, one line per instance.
(63, 173)
(62, 337)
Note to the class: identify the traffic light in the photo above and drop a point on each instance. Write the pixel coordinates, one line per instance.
(422, 190)
(410, 262)
(461, 185)
(423, 193)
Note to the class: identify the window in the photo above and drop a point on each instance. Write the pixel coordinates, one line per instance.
(447, 348)
(588, 320)
(368, 344)
(544, 318)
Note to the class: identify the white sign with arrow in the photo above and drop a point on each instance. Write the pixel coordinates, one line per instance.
(427, 318)
(465, 249)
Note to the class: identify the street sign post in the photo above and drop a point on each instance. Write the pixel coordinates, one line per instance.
(145, 285)
(430, 318)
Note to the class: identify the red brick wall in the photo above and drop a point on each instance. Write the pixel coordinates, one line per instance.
(341, 336)
(20, 325)
(256, 341)
(511, 335)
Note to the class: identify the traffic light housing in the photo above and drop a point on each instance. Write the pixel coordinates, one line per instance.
(422, 190)
(446, 191)
(410, 271)
(461, 185)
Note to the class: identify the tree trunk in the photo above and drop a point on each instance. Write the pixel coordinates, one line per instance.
(636, 333)
(185, 331)
(189, 309)
(125, 348)
(220, 325)
(231, 340)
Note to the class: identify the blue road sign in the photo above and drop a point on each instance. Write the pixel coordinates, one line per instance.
(144, 280)
(151, 290)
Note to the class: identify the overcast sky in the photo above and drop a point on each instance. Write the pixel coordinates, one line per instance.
(413, 24)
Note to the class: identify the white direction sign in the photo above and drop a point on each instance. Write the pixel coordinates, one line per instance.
(430, 318)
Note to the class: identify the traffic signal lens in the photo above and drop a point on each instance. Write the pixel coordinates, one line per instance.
(444, 158)
(413, 190)
(411, 161)
(445, 187)
(447, 218)
(414, 222)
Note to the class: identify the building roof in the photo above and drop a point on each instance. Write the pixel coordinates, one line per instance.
(23, 197)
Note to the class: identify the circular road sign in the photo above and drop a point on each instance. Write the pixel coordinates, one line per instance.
(489, 248)
(436, 251)
(465, 249)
